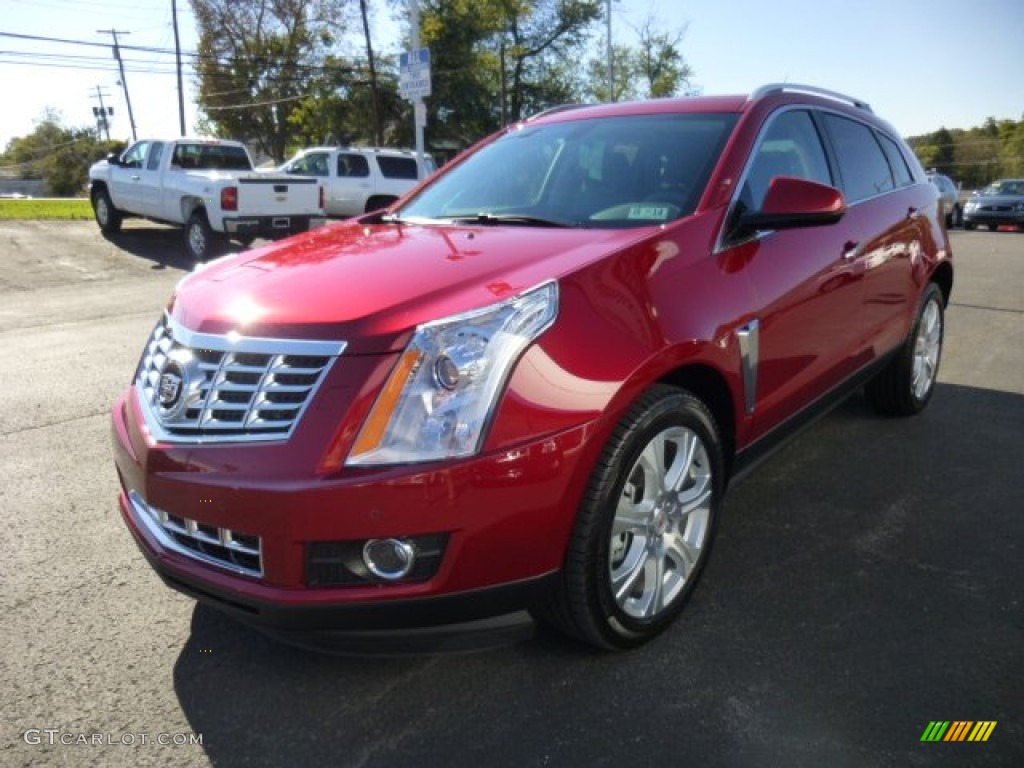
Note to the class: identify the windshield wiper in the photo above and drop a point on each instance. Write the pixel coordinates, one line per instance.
(485, 217)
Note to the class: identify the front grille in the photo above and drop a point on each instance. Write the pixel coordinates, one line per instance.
(220, 388)
(234, 550)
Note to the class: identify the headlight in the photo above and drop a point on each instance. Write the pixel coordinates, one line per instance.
(970, 206)
(442, 392)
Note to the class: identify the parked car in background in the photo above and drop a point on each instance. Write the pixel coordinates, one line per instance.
(1000, 203)
(950, 195)
(207, 186)
(530, 382)
(358, 180)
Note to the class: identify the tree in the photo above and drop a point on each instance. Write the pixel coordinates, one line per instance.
(659, 61)
(496, 61)
(654, 68)
(58, 154)
(257, 59)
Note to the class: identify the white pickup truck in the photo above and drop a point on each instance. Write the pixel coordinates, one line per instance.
(209, 187)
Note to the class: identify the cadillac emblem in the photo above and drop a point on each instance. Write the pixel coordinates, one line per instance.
(172, 381)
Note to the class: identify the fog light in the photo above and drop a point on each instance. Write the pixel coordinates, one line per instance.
(389, 559)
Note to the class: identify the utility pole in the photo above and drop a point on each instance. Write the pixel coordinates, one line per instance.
(611, 79)
(101, 112)
(124, 83)
(419, 108)
(177, 58)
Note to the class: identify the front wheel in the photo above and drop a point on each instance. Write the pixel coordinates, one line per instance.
(107, 216)
(645, 528)
(906, 384)
(201, 242)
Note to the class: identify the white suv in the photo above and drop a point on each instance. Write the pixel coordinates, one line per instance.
(358, 180)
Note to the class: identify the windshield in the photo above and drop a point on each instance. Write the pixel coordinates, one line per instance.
(617, 172)
(1008, 187)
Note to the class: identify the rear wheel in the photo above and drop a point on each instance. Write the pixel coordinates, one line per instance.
(107, 216)
(201, 242)
(905, 385)
(644, 531)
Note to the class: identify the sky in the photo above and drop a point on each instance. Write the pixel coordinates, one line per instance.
(921, 64)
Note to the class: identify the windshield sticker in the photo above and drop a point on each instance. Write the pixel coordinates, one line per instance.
(658, 212)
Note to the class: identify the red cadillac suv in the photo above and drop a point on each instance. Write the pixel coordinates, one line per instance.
(528, 383)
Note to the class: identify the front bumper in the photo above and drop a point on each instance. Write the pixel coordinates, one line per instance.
(271, 227)
(994, 218)
(506, 517)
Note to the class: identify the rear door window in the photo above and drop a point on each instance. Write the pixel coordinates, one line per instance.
(862, 164)
(353, 166)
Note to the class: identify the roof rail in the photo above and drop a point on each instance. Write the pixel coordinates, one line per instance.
(764, 90)
(553, 111)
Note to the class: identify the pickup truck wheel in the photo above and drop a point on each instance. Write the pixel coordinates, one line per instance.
(201, 242)
(905, 385)
(107, 216)
(644, 531)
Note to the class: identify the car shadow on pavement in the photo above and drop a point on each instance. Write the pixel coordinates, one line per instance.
(866, 580)
(159, 244)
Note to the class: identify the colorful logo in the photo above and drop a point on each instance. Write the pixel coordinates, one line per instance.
(958, 730)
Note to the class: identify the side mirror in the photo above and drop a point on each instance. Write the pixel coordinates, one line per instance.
(114, 159)
(791, 203)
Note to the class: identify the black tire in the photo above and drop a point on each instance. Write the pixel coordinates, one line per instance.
(899, 389)
(958, 217)
(201, 242)
(968, 226)
(107, 216)
(377, 202)
(657, 531)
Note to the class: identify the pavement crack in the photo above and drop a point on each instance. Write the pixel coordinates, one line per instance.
(38, 427)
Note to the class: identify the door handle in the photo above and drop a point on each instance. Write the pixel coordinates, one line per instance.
(851, 250)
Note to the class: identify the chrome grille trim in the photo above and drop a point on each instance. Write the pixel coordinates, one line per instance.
(240, 553)
(232, 388)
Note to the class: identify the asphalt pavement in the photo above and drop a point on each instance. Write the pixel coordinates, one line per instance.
(867, 580)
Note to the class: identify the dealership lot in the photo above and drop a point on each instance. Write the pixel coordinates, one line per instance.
(867, 579)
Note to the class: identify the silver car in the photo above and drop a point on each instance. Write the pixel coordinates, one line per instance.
(950, 199)
(998, 204)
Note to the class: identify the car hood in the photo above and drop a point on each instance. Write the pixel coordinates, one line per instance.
(370, 285)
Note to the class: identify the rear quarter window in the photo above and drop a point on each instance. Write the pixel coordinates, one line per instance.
(898, 163)
(397, 167)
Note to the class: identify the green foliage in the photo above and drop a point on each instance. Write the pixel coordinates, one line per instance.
(654, 68)
(976, 156)
(55, 210)
(58, 154)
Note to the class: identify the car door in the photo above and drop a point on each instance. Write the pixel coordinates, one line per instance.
(125, 178)
(890, 212)
(149, 181)
(353, 185)
(808, 297)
